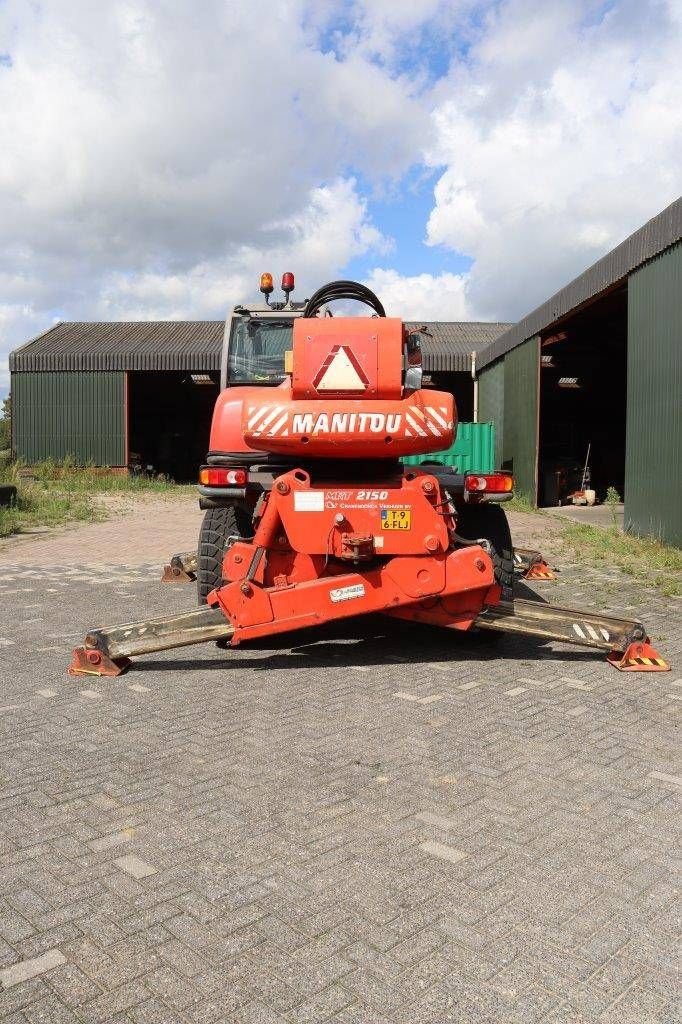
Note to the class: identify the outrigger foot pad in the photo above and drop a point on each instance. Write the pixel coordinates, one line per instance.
(88, 662)
(638, 657)
(539, 571)
(182, 568)
(174, 574)
(531, 565)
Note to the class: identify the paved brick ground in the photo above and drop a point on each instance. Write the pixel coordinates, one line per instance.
(384, 826)
(142, 530)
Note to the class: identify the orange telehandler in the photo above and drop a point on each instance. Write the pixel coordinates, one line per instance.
(311, 515)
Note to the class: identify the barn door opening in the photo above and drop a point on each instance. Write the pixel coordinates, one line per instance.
(583, 391)
(169, 420)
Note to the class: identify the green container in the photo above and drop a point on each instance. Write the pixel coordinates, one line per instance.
(472, 452)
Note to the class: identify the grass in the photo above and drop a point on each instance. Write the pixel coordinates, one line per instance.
(644, 558)
(648, 560)
(61, 492)
(521, 503)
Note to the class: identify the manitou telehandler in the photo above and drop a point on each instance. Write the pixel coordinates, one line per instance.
(311, 516)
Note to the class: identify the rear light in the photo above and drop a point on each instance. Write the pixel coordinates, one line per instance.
(489, 483)
(218, 476)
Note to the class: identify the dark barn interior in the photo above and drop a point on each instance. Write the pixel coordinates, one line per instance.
(583, 391)
(461, 386)
(169, 422)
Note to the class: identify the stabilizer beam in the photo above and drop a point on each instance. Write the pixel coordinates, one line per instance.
(530, 564)
(569, 625)
(107, 651)
(116, 644)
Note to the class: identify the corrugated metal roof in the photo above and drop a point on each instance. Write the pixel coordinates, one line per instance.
(149, 345)
(450, 344)
(661, 232)
(196, 345)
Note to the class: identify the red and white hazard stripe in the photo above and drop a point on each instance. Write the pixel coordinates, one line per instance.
(428, 420)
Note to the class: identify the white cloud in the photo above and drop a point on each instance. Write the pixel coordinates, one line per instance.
(561, 134)
(316, 245)
(421, 296)
(146, 150)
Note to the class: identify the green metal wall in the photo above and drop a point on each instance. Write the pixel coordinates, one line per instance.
(472, 452)
(653, 459)
(491, 403)
(521, 407)
(80, 414)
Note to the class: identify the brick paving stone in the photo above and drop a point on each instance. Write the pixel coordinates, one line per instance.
(134, 866)
(285, 801)
(443, 851)
(71, 985)
(121, 999)
(27, 969)
(321, 1007)
(107, 842)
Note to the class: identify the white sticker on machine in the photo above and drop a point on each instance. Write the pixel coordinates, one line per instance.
(347, 593)
(308, 501)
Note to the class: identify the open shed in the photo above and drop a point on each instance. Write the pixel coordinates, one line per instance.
(599, 365)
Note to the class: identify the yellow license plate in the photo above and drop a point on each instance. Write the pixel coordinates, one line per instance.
(396, 519)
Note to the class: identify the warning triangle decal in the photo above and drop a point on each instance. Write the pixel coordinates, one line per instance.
(341, 372)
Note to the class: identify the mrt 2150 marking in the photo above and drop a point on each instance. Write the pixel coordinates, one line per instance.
(355, 499)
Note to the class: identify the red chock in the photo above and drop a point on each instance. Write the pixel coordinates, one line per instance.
(88, 662)
(638, 657)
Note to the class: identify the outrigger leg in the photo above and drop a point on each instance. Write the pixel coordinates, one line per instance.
(625, 640)
(107, 652)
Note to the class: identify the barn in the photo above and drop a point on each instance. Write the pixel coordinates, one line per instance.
(597, 366)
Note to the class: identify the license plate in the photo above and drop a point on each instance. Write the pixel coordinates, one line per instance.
(396, 519)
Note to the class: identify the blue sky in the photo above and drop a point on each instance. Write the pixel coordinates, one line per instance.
(465, 159)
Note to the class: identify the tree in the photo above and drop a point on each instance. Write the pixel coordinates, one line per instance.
(6, 424)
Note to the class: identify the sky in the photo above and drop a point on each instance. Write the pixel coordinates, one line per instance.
(464, 159)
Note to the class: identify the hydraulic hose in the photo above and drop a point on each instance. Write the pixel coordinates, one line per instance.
(342, 290)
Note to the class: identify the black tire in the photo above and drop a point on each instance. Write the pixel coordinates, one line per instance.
(489, 521)
(218, 524)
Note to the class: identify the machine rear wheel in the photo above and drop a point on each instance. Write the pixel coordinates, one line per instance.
(218, 525)
(477, 522)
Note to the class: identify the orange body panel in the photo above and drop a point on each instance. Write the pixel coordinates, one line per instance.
(422, 421)
(345, 399)
(272, 587)
(401, 516)
(226, 425)
(372, 346)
